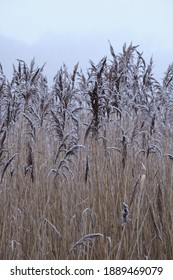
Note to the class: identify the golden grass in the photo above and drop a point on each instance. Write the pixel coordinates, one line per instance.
(47, 218)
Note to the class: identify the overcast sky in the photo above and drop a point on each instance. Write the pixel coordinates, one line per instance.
(57, 31)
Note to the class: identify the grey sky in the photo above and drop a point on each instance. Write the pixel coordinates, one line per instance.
(69, 31)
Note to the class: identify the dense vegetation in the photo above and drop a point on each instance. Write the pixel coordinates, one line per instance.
(86, 166)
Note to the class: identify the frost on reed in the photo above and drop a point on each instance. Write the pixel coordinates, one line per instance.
(70, 155)
(125, 214)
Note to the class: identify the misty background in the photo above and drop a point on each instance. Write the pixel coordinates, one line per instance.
(58, 32)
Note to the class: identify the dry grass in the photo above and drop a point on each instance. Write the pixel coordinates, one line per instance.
(86, 168)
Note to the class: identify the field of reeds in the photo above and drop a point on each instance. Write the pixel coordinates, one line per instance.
(86, 166)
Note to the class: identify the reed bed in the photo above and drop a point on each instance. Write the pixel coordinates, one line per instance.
(86, 166)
